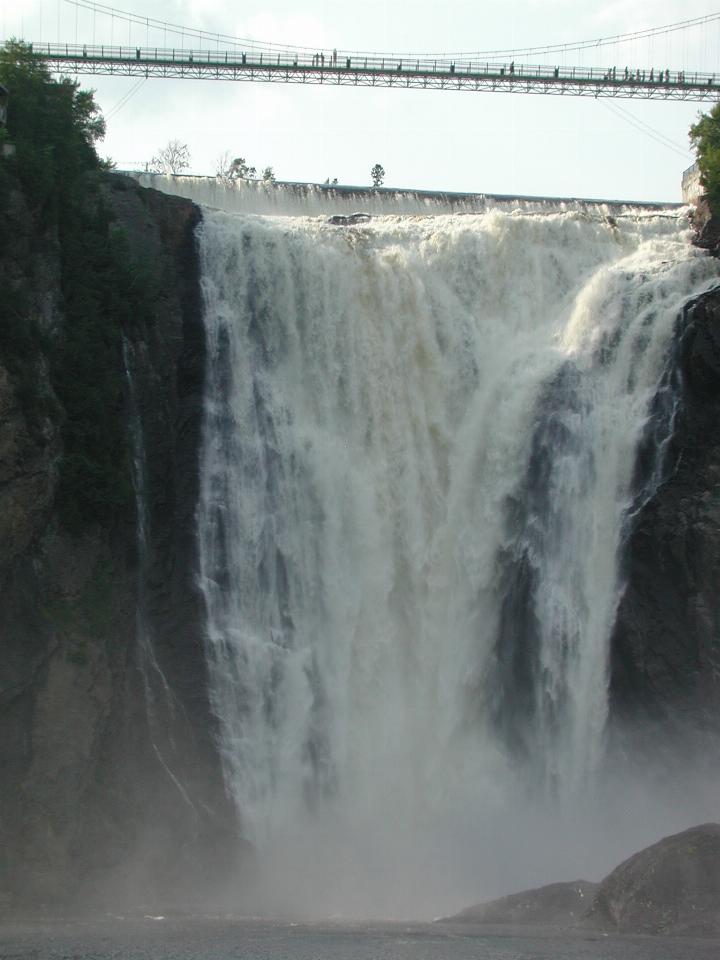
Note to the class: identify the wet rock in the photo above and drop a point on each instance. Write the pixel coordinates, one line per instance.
(111, 787)
(670, 888)
(665, 652)
(707, 227)
(338, 220)
(557, 904)
(28, 469)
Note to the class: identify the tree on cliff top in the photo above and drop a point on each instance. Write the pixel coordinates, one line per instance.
(378, 175)
(174, 158)
(236, 168)
(53, 123)
(705, 138)
(55, 126)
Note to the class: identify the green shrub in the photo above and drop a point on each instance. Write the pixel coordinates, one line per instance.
(54, 125)
(705, 138)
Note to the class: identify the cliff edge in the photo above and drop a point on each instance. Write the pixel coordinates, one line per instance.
(112, 789)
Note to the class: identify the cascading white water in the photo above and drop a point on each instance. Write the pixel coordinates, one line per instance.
(418, 453)
(313, 199)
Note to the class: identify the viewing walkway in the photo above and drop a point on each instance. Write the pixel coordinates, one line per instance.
(359, 70)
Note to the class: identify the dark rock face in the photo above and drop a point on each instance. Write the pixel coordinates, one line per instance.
(707, 228)
(665, 655)
(173, 732)
(111, 787)
(557, 904)
(672, 887)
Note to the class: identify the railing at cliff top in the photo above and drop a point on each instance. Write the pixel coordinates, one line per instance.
(347, 69)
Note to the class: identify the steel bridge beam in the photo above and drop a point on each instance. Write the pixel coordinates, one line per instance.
(364, 71)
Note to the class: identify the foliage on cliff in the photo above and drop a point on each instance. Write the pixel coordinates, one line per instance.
(57, 174)
(705, 138)
(54, 126)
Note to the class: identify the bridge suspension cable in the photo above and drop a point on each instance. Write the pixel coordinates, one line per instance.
(646, 129)
(114, 110)
(574, 46)
(518, 53)
(580, 45)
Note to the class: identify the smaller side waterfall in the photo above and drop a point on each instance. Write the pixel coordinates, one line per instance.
(159, 698)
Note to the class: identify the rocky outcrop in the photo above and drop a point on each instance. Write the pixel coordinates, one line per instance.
(111, 787)
(665, 656)
(672, 888)
(707, 227)
(557, 904)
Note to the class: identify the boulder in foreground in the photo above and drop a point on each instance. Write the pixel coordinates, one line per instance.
(672, 887)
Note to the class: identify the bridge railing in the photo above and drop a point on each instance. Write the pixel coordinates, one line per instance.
(344, 62)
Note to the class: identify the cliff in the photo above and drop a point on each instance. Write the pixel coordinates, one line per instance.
(111, 787)
(665, 666)
(707, 226)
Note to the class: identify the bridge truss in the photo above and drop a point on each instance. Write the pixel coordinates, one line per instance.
(373, 71)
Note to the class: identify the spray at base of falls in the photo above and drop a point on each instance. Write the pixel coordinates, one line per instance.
(418, 455)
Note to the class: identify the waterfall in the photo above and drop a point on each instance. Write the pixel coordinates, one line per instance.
(314, 199)
(419, 447)
(148, 665)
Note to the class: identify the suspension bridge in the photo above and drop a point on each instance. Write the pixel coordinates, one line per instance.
(159, 49)
(298, 65)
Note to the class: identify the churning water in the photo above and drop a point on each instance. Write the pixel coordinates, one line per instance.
(418, 455)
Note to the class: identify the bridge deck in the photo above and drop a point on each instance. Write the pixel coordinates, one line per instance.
(374, 71)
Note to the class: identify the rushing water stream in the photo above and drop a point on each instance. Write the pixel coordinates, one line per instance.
(418, 455)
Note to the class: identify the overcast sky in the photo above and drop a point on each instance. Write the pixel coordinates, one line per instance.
(484, 142)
